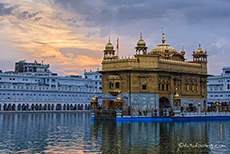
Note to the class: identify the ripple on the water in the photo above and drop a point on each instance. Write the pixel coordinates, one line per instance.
(75, 133)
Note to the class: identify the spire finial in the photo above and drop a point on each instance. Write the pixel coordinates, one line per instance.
(182, 47)
(109, 38)
(141, 34)
(163, 37)
(199, 44)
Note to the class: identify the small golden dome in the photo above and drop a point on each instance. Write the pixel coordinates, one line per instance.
(141, 42)
(118, 98)
(109, 45)
(199, 103)
(182, 51)
(199, 50)
(94, 99)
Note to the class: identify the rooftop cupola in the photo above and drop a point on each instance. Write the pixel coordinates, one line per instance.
(109, 53)
(199, 50)
(109, 45)
(182, 51)
(200, 55)
(141, 46)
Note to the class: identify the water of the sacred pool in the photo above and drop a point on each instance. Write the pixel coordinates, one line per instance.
(76, 133)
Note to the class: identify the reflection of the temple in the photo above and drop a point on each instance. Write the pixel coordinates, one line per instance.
(143, 137)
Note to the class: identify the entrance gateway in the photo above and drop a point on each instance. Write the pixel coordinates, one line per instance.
(163, 102)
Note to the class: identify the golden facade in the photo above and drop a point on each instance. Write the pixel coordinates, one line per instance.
(162, 73)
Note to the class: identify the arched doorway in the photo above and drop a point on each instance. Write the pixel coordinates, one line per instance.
(75, 107)
(36, 107)
(49, 107)
(5, 107)
(58, 107)
(9, 107)
(40, 107)
(13, 107)
(32, 107)
(23, 107)
(19, 106)
(27, 107)
(45, 107)
(108, 104)
(163, 102)
(52, 106)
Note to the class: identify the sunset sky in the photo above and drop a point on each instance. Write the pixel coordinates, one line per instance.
(70, 35)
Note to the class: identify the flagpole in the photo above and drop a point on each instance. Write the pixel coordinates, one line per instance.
(117, 45)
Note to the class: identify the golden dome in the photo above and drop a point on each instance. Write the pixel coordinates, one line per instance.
(109, 45)
(199, 50)
(141, 42)
(118, 99)
(164, 48)
(94, 99)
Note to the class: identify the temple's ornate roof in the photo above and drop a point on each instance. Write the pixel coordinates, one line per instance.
(167, 52)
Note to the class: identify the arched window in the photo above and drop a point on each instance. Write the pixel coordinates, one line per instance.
(144, 87)
(117, 85)
(110, 85)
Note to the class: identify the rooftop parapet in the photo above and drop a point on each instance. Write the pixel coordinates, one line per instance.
(179, 62)
(120, 59)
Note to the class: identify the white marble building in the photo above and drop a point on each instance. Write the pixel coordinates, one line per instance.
(32, 86)
(219, 87)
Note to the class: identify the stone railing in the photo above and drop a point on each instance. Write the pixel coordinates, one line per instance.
(191, 114)
(119, 60)
(179, 62)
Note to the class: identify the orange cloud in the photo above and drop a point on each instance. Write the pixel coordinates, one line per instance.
(38, 30)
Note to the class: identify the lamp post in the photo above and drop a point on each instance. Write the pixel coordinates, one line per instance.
(119, 106)
(217, 106)
(220, 107)
(199, 107)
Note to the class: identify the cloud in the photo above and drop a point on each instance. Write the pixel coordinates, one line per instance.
(71, 34)
(5, 9)
(74, 52)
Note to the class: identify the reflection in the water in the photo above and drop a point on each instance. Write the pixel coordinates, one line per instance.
(75, 133)
(181, 137)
